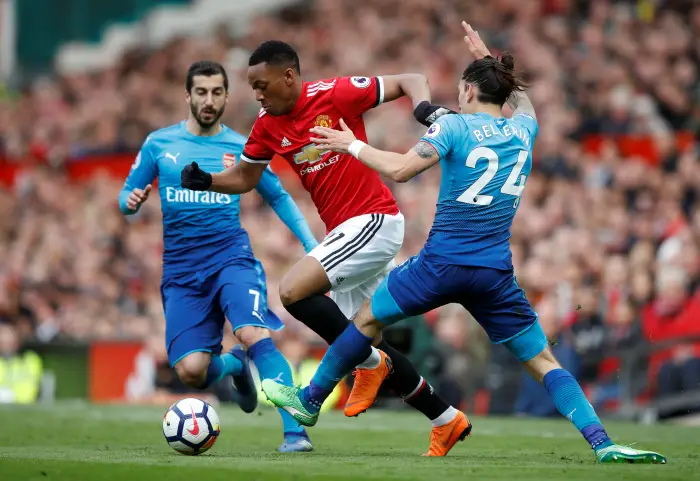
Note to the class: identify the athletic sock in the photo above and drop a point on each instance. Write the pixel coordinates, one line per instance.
(324, 317)
(271, 364)
(220, 366)
(342, 356)
(572, 403)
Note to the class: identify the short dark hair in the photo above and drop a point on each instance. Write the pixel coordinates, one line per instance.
(275, 52)
(495, 78)
(207, 68)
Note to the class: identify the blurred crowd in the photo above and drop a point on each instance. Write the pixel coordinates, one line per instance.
(605, 246)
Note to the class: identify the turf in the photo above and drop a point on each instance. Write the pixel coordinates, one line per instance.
(76, 442)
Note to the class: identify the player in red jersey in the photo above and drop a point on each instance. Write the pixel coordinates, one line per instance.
(364, 226)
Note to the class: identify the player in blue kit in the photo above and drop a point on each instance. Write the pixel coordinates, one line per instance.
(209, 270)
(485, 160)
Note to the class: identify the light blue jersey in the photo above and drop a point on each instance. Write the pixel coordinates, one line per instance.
(485, 162)
(202, 230)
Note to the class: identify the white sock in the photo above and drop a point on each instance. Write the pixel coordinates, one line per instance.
(444, 418)
(372, 361)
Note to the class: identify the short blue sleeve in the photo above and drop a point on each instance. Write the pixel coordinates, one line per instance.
(143, 172)
(441, 135)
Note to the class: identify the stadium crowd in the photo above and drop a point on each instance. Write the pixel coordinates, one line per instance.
(605, 245)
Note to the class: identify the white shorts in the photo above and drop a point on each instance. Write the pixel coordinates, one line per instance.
(357, 255)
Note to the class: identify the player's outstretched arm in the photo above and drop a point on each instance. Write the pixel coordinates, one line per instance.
(518, 101)
(271, 190)
(398, 167)
(239, 179)
(416, 87)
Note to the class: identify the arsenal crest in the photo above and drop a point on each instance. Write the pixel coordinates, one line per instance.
(323, 121)
(229, 160)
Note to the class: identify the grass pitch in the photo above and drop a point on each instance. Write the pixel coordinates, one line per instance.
(77, 442)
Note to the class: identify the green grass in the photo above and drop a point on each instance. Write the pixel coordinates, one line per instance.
(76, 442)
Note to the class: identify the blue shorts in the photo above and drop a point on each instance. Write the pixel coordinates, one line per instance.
(492, 297)
(196, 307)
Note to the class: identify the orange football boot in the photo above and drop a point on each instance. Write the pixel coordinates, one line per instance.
(366, 386)
(443, 438)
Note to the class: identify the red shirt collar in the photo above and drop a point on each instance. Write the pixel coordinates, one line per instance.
(301, 101)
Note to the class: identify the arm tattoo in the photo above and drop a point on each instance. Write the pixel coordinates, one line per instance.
(520, 103)
(425, 150)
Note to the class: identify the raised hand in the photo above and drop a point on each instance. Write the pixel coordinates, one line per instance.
(476, 46)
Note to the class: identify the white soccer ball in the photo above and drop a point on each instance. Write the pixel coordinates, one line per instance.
(191, 426)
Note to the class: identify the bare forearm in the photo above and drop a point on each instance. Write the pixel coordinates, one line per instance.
(231, 181)
(400, 167)
(417, 88)
(521, 104)
(412, 85)
(388, 164)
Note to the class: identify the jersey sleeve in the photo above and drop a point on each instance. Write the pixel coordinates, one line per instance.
(255, 151)
(441, 135)
(143, 172)
(529, 123)
(354, 96)
(271, 190)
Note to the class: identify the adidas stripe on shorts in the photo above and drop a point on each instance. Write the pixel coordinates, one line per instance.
(357, 255)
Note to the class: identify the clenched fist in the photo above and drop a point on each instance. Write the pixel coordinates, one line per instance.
(194, 178)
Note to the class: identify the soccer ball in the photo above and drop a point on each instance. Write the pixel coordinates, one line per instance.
(191, 426)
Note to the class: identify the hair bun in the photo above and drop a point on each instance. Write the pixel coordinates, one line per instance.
(508, 61)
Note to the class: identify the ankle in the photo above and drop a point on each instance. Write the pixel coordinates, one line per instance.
(445, 418)
(604, 444)
(312, 397)
(372, 361)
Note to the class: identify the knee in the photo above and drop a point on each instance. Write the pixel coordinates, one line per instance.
(250, 335)
(192, 370)
(367, 324)
(288, 293)
(305, 279)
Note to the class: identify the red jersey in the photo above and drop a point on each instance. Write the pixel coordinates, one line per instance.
(341, 186)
